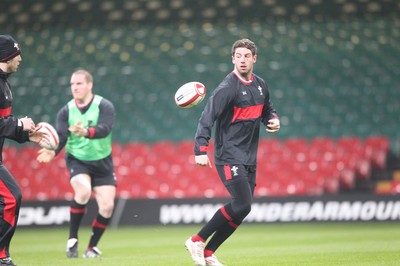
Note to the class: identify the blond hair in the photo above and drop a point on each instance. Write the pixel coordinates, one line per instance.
(88, 76)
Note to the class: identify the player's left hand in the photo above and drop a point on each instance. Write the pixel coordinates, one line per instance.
(45, 156)
(78, 130)
(273, 125)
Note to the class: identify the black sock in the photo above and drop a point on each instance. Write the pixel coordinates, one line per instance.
(220, 218)
(222, 234)
(77, 211)
(99, 225)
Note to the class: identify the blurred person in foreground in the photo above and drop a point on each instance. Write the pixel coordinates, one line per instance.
(20, 130)
(237, 106)
(84, 126)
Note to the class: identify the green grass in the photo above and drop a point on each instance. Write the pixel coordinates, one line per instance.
(280, 244)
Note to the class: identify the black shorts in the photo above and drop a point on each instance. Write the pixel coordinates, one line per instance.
(233, 173)
(101, 172)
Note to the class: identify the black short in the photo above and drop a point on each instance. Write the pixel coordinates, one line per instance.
(101, 172)
(239, 180)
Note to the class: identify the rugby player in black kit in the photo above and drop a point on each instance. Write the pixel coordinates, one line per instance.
(20, 130)
(237, 107)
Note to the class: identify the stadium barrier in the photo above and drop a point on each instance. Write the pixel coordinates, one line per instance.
(130, 212)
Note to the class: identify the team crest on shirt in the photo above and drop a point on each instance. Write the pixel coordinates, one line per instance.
(260, 89)
(244, 92)
(234, 170)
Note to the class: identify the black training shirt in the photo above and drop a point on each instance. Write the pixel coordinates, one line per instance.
(237, 108)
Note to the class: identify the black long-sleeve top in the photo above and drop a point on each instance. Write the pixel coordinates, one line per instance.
(237, 108)
(10, 127)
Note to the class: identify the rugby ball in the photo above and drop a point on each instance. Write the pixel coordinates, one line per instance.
(51, 141)
(190, 94)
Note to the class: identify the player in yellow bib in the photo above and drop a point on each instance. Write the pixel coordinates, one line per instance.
(84, 126)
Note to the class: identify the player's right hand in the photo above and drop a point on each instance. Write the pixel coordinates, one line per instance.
(45, 155)
(27, 124)
(202, 160)
(38, 136)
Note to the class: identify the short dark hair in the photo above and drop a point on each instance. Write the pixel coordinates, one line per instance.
(245, 43)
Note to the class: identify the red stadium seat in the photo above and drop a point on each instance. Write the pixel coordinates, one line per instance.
(349, 144)
(323, 143)
(377, 142)
(167, 169)
(164, 148)
(376, 149)
(296, 145)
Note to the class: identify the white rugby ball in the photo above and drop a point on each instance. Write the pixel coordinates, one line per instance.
(52, 140)
(190, 94)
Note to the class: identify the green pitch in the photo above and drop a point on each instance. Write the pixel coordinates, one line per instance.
(281, 244)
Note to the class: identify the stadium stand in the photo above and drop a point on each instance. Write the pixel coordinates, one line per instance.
(166, 169)
(332, 67)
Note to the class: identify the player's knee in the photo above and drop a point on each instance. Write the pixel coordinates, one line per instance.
(82, 188)
(242, 210)
(109, 207)
(106, 209)
(82, 197)
(246, 210)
